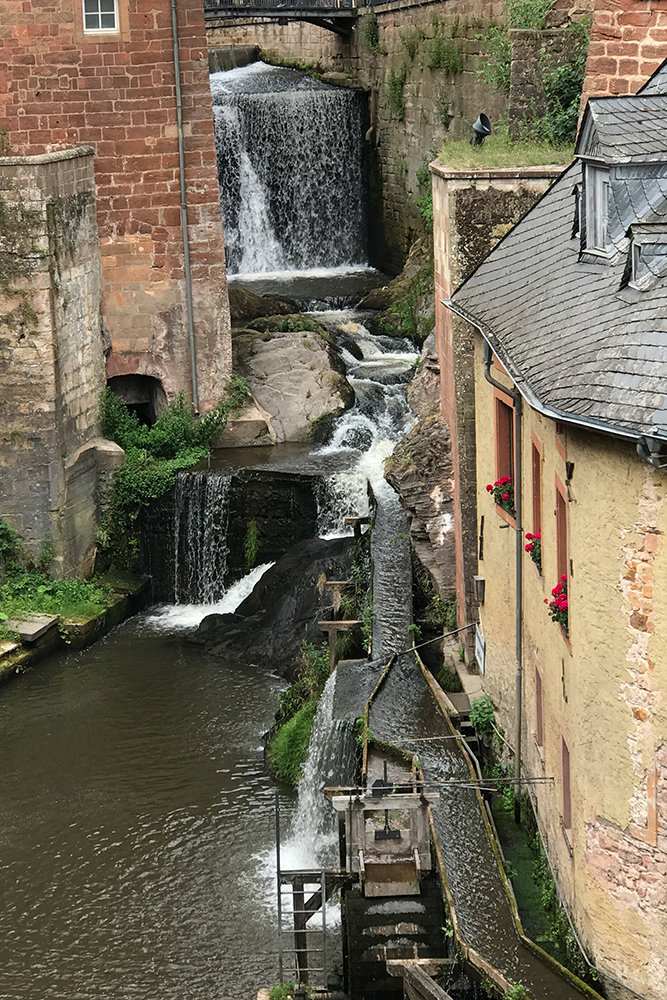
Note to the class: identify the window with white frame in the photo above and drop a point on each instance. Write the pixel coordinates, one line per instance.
(100, 15)
(597, 205)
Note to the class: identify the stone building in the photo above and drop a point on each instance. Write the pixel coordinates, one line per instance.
(566, 323)
(101, 137)
(101, 73)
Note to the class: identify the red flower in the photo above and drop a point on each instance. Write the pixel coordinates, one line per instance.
(529, 547)
(506, 496)
(564, 576)
(528, 535)
(489, 488)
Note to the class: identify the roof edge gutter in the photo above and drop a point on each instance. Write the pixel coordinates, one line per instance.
(533, 401)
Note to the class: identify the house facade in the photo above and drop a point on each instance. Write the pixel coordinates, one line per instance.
(570, 384)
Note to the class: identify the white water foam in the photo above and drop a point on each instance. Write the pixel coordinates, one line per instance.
(172, 617)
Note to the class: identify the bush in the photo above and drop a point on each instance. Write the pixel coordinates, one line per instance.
(443, 53)
(482, 715)
(289, 747)
(395, 83)
(369, 33)
(154, 456)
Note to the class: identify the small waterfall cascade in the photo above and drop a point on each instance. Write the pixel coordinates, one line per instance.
(201, 514)
(331, 760)
(290, 165)
(379, 371)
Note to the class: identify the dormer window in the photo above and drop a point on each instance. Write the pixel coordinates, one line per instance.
(597, 207)
(647, 257)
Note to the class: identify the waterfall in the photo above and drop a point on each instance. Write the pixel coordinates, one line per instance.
(330, 761)
(290, 164)
(201, 513)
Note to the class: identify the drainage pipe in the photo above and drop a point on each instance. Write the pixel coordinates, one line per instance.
(184, 209)
(518, 536)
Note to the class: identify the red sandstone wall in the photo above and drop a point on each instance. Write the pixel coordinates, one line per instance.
(59, 88)
(628, 43)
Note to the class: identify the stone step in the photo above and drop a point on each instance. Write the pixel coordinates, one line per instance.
(33, 627)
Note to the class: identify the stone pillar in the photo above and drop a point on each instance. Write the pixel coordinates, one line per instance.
(51, 357)
(472, 210)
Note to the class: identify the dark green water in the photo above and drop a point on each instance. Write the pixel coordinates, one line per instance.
(136, 825)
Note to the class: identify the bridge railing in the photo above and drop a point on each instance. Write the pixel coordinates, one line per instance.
(278, 5)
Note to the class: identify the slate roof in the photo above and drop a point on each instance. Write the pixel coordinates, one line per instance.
(628, 129)
(577, 343)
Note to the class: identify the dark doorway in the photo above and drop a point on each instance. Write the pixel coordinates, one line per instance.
(142, 394)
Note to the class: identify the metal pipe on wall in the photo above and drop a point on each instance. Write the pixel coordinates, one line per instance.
(184, 209)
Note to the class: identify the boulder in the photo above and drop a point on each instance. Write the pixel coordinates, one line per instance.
(424, 390)
(283, 610)
(246, 305)
(294, 378)
(405, 307)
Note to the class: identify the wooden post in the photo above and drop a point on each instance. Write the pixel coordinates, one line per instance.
(357, 522)
(333, 628)
(336, 588)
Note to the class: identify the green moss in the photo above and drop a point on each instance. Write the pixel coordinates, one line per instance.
(289, 747)
(19, 230)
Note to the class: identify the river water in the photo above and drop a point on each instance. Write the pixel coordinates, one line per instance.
(136, 815)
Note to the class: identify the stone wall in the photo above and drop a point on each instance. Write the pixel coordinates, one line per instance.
(116, 91)
(436, 101)
(627, 45)
(51, 358)
(472, 210)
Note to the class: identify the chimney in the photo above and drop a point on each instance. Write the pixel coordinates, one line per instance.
(628, 43)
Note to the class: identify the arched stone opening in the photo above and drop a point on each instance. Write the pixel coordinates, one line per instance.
(142, 394)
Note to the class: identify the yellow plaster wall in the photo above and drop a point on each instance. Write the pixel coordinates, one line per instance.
(602, 688)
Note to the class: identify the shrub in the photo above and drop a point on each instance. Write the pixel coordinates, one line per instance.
(443, 53)
(154, 457)
(369, 33)
(482, 715)
(394, 86)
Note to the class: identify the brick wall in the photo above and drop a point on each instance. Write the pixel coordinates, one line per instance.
(628, 43)
(116, 92)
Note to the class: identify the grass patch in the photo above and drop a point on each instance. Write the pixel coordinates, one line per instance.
(289, 747)
(34, 593)
(499, 151)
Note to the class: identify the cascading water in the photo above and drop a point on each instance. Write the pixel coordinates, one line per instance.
(331, 760)
(378, 371)
(201, 513)
(290, 164)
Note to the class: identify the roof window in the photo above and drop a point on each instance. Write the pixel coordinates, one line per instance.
(647, 258)
(597, 207)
